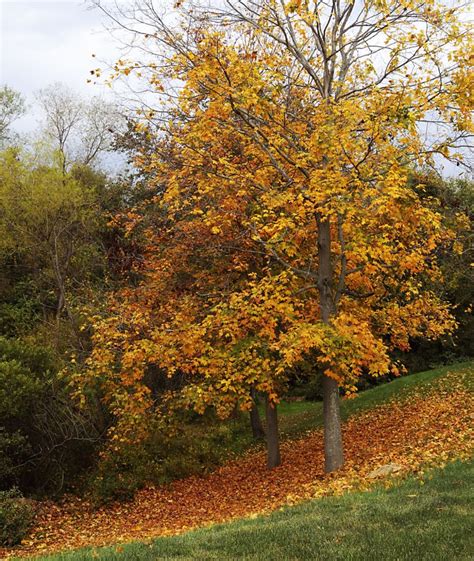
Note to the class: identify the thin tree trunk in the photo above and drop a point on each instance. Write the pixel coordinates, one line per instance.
(273, 439)
(333, 448)
(235, 412)
(255, 421)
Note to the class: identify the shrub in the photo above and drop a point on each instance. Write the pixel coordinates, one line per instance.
(14, 448)
(194, 447)
(44, 440)
(16, 516)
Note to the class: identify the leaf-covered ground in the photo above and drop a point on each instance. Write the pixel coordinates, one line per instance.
(423, 429)
(422, 519)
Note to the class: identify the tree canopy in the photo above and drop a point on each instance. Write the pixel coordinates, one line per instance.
(284, 229)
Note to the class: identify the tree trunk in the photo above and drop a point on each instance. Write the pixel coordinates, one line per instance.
(255, 421)
(273, 440)
(333, 449)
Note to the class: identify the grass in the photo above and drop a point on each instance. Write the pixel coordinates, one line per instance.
(409, 521)
(298, 417)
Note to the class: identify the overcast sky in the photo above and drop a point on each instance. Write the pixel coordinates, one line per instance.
(43, 42)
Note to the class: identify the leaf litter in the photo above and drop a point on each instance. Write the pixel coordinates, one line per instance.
(416, 433)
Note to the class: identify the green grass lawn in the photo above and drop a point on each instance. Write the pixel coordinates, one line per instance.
(297, 417)
(410, 522)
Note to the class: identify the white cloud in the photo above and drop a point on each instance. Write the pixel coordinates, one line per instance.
(43, 42)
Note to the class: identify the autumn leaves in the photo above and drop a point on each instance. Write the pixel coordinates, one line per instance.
(284, 229)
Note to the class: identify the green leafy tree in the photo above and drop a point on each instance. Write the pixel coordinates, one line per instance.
(12, 107)
(48, 223)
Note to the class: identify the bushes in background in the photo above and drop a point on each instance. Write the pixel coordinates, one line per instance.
(16, 516)
(191, 448)
(44, 440)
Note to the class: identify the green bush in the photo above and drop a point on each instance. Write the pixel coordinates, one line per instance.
(44, 440)
(16, 516)
(20, 306)
(193, 448)
(14, 448)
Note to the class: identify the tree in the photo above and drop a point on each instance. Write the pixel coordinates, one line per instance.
(258, 431)
(80, 130)
(285, 229)
(454, 200)
(12, 106)
(48, 223)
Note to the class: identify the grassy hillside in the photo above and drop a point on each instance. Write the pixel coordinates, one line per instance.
(408, 522)
(426, 424)
(300, 416)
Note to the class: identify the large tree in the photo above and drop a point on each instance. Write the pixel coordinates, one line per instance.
(285, 230)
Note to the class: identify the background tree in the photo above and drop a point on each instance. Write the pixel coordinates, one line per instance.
(45, 216)
(58, 256)
(81, 130)
(454, 200)
(12, 107)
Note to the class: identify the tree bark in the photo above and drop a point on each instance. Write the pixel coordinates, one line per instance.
(273, 440)
(255, 421)
(333, 448)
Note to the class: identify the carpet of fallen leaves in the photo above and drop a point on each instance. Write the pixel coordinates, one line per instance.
(420, 432)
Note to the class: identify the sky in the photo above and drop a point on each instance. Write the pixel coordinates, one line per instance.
(43, 42)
